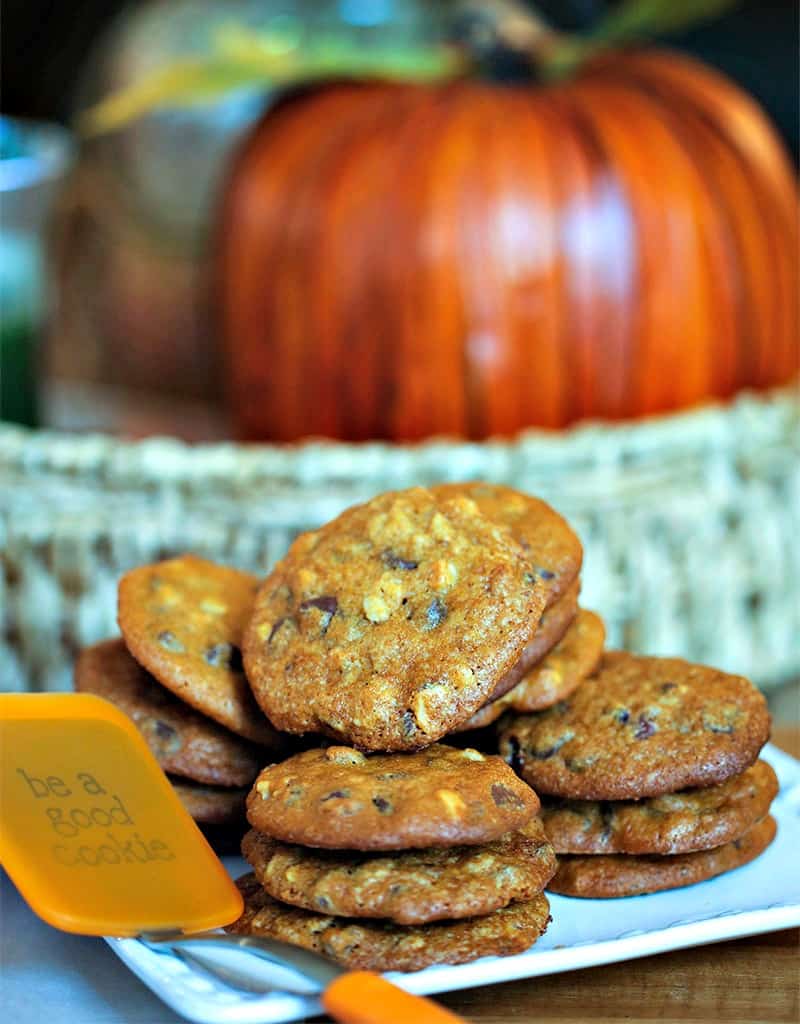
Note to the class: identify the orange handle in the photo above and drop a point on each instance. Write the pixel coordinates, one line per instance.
(362, 997)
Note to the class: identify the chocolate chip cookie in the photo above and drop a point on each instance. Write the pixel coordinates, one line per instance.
(183, 741)
(183, 621)
(640, 727)
(409, 887)
(621, 875)
(694, 819)
(384, 946)
(556, 676)
(210, 805)
(392, 624)
(341, 799)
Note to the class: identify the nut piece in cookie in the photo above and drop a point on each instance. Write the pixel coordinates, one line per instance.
(684, 822)
(339, 798)
(183, 621)
(384, 946)
(183, 741)
(606, 877)
(392, 624)
(640, 727)
(408, 887)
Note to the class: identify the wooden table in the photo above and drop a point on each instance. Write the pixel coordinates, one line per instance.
(746, 980)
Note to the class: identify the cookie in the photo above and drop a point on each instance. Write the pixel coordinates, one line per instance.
(546, 536)
(183, 741)
(392, 624)
(341, 799)
(694, 819)
(556, 676)
(409, 887)
(384, 946)
(622, 875)
(554, 623)
(183, 621)
(210, 805)
(640, 727)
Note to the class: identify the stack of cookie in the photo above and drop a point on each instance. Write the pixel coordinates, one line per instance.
(649, 776)
(396, 861)
(177, 673)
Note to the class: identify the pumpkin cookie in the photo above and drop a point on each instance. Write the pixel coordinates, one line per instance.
(694, 819)
(640, 727)
(621, 875)
(384, 946)
(211, 805)
(340, 799)
(183, 621)
(555, 677)
(183, 741)
(393, 623)
(409, 887)
(546, 537)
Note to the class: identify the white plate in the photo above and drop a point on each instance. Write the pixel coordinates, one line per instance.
(763, 896)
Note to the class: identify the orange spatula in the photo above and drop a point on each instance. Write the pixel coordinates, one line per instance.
(97, 842)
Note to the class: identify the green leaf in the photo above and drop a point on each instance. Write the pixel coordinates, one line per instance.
(634, 20)
(240, 58)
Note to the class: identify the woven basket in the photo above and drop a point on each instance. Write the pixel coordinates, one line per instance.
(689, 524)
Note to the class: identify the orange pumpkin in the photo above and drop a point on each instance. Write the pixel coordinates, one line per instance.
(469, 259)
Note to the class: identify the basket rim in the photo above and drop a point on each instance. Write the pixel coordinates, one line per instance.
(744, 424)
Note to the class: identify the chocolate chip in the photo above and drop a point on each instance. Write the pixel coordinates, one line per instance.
(409, 723)
(276, 627)
(164, 731)
(336, 794)
(435, 613)
(545, 574)
(327, 605)
(726, 730)
(514, 757)
(219, 655)
(383, 805)
(666, 687)
(170, 642)
(645, 728)
(504, 797)
(396, 562)
(623, 715)
(607, 817)
(322, 902)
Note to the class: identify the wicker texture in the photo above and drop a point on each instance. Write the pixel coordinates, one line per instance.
(689, 524)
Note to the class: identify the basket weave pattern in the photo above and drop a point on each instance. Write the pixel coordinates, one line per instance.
(689, 523)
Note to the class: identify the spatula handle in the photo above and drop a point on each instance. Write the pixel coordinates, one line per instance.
(360, 997)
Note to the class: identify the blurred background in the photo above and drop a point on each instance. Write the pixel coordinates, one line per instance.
(563, 236)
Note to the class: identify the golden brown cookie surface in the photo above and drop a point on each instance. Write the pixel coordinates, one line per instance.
(554, 623)
(556, 676)
(640, 727)
(183, 741)
(606, 877)
(393, 623)
(408, 887)
(694, 819)
(183, 619)
(341, 799)
(384, 946)
(547, 538)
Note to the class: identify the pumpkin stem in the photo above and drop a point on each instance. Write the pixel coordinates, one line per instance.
(516, 27)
